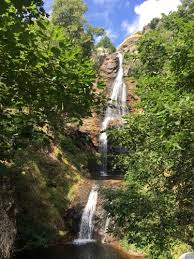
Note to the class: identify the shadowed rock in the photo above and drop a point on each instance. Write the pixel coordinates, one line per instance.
(7, 218)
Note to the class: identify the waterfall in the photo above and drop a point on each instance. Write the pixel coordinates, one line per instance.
(115, 110)
(106, 229)
(86, 227)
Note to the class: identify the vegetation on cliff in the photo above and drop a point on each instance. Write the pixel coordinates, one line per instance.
(106, 44)
(154, 212)
(46, 79)
(45, 185)
(46, 82)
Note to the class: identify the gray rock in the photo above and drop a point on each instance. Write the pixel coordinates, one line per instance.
(109, 68)
(189, 255)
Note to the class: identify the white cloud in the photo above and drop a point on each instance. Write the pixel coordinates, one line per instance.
(148, 10)
(129, 28)
(108, 10)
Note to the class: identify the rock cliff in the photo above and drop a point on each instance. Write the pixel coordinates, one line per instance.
(129, 44)
(107, 73)
(7, 218)
(108, 65)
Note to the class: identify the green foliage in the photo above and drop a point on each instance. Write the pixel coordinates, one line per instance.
(45, 186)
(46, 80)
(106, 43)
(69, 15)
(27, 10)
(153, 24)
(155, 210)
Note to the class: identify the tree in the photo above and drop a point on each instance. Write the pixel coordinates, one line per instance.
(25, 9)
(155, 209)
(45, 79)
(69, 14)
(154, 22)
(106, 43)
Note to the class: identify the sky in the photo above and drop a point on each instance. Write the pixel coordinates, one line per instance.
(121, 18)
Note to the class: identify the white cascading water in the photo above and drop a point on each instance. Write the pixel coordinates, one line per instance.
(86, 227)
(115, 110)
(106, 228)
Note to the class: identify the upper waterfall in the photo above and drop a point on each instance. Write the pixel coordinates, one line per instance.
(115, 110)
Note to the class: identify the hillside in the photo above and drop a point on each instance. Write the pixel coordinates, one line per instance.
(96, 143)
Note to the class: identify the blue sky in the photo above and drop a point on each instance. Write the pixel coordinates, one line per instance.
(121, 18)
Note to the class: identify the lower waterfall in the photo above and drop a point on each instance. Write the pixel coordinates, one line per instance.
(116, 109)
(86, 227)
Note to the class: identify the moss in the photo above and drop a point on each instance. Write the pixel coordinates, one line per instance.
(180, 248)
(46, 184)
(177, 249)
(132, 247)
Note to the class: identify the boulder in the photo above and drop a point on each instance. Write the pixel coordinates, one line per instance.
(189, 255)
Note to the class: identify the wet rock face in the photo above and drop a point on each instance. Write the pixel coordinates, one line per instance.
(91, 127)
(72, 218)
(100, 220)
(109, 67)
(129, 44)
(107, 72)
(7, 218)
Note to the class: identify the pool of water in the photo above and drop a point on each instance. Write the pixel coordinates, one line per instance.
(91, 250)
